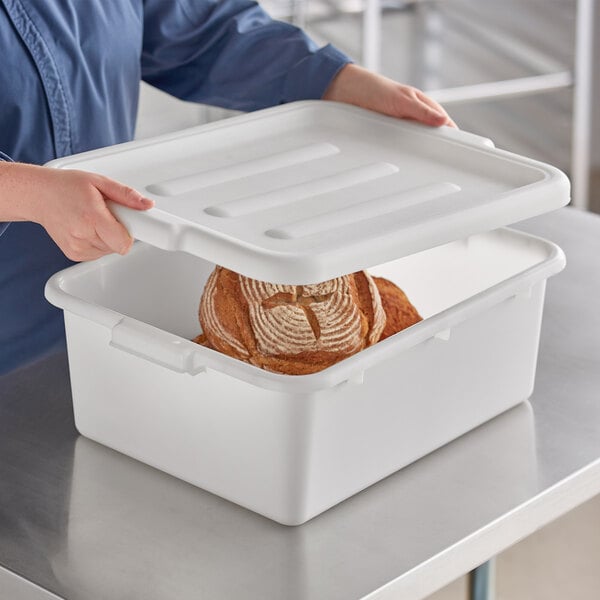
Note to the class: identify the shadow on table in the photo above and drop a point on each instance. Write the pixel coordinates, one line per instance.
(134, 532)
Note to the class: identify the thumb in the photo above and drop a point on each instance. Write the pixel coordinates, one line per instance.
(122, 194)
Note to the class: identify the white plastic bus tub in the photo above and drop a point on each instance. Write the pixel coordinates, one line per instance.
(290, 447)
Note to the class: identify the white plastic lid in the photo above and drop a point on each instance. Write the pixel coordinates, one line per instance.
(308, 191)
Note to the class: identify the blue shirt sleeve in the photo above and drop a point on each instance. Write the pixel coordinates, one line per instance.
(230, 53)
(4, 226)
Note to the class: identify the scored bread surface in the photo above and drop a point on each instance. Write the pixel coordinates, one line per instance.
(291, 329)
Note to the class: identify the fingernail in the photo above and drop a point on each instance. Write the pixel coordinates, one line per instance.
(147, 202)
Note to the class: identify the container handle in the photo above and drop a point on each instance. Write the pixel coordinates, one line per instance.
(443, 335)
(158, 346)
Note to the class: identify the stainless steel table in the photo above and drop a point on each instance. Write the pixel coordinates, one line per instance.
(87, 523)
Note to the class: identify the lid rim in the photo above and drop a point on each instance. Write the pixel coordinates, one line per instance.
(317, 245)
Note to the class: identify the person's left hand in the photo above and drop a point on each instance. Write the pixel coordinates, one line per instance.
(358, 86)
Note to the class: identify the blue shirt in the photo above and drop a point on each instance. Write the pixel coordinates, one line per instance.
(69, 82)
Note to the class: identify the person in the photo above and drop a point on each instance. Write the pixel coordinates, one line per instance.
(70, 83)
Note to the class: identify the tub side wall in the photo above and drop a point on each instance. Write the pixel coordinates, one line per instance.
(292, 456)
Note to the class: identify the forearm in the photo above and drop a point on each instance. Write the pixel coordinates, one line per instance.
(21, 187)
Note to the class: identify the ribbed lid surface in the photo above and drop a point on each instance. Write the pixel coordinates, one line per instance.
(309, 191)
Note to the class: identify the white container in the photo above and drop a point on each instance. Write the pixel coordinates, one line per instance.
(173, 527)
(289, 447)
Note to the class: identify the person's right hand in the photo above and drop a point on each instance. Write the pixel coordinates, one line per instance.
(71, 206)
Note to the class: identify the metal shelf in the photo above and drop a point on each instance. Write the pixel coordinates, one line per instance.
(579, 78)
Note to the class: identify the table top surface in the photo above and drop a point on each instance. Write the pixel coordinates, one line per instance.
(85, 522)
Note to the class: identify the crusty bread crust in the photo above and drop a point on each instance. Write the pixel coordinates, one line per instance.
(298, 330)
(399, 311)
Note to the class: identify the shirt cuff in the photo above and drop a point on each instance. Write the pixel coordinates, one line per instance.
(4, 226)
(310, 78)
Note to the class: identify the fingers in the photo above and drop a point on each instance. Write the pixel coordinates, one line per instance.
(112, 233)
(89, 254)
(451, 123)
(83, 249)
(411, 103)
(437, 107)
(426, 114)
(424, 109)
(98, 244)
(122, 194)
(93, 246)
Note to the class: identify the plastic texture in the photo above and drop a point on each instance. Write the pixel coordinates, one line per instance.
(312, 190)
(291, 447)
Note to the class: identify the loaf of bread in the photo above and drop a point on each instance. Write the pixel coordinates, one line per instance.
(302, 329)
(399, 312)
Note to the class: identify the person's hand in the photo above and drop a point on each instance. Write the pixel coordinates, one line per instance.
(71, 206)
(358, 86)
